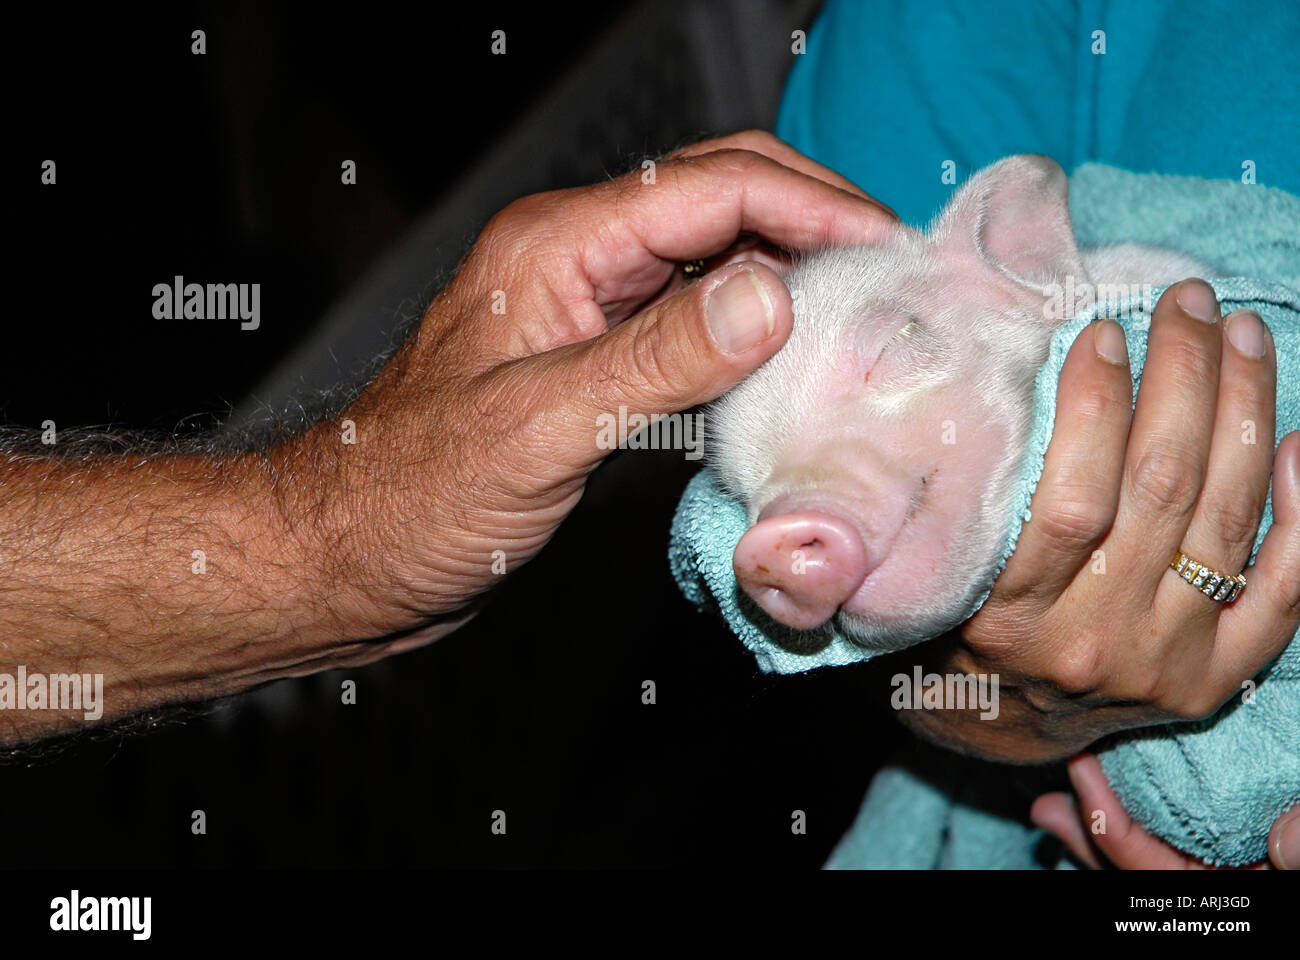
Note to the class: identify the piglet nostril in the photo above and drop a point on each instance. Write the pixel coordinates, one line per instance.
(801, 566)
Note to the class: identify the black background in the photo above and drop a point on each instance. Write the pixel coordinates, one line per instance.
(225, 167)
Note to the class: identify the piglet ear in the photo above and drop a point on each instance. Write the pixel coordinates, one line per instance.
(1015, 215)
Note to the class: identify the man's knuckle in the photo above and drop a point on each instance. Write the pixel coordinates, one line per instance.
(651, 364)
(508, 218)
(738, 162)
(756, 139)
(521, 221)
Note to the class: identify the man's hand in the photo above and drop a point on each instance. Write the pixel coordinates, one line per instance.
(185, 576)
(1087, 629)
(1123, 843)
(487, 424)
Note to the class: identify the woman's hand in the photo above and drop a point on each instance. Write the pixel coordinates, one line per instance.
(1087, 629)
(1098, 830)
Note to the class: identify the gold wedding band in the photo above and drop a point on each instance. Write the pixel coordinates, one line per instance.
(1219, 587)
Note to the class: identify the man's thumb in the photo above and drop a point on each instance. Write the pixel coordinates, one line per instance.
(691, 347)
(680, 352)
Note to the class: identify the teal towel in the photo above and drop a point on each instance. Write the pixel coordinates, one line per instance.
(954, 816)
(1211, 788)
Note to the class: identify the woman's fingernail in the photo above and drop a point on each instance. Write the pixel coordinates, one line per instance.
(1287, 845)
(1108, 338)
(1246, 333)
(739, 313)
(1197, 299)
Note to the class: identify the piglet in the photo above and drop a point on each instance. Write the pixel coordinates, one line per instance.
(877, 452)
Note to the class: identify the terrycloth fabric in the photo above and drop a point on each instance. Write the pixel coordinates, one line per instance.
(932, 810)
(1212, 788)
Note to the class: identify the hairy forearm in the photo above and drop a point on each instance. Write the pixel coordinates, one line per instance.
(175, 577)
(183, 576)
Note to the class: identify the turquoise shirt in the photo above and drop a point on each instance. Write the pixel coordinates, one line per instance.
(893, 93)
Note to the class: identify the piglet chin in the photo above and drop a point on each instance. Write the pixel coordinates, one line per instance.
(914, 594)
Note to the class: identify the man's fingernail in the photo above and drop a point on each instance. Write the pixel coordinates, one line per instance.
(1246, 333)
(1196, 298)
(739, 313)
(1108, 338)
(1287, 849)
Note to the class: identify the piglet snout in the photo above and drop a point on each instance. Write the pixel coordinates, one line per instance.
(801, 566)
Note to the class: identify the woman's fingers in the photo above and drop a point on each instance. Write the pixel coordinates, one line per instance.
(1058, 814)
(1258, 624)
(1226, 518)
(1075, 501)
(1117, 836)
(1098, 823)
(1169, 444)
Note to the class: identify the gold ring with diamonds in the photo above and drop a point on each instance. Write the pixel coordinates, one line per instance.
(1219, 587)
